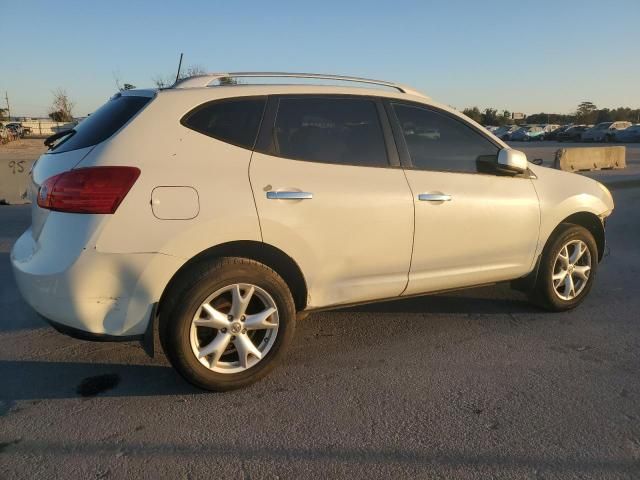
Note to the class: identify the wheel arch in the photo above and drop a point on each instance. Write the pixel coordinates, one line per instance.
(587, 220)
(261, 252)
(592, 223)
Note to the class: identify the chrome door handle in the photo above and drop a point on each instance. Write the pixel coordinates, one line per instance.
(434, 197)
(272, 195)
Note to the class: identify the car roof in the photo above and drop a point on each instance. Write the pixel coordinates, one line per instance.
(198, 89)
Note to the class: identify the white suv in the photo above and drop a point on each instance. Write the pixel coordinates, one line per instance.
(222, 213)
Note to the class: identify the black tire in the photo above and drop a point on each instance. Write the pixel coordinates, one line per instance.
(543, 293)
(181, 305)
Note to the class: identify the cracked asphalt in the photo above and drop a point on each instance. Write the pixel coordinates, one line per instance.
(473, 384)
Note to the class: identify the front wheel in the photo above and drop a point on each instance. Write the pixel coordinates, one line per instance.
(567, 269)
(228, 324)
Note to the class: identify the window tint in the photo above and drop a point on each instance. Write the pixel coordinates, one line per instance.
(233, 121)
(439, 142)
(102, 123)
(332, 130)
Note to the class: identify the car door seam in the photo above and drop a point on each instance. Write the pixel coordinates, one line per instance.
(413, 236)
(253, 195)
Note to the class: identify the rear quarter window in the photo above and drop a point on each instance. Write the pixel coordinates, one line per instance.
(235, 121)
(103, 123)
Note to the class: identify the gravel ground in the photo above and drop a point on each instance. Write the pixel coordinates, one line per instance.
(474, 384)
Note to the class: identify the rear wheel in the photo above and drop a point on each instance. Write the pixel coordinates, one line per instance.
(228, 325)
(567, 269)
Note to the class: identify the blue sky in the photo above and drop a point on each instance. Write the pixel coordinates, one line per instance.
(524, 56)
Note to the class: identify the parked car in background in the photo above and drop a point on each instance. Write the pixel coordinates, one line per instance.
(491, 128)
(526, 134)
(604, 132)
(15, 128)
(572, 134)
(549, 127)
(553, 135)
(504, 132)
(631, 134)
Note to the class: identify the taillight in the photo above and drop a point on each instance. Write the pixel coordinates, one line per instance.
(87, 190)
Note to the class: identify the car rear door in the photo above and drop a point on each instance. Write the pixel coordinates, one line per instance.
(330, 193)
(472, 225)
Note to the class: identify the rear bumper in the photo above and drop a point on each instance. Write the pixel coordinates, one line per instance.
(92, 337)
(88, 294)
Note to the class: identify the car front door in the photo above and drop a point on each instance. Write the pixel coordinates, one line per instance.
(473, 225)
(331, 194)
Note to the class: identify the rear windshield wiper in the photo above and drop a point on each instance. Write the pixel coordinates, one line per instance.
(49, 141)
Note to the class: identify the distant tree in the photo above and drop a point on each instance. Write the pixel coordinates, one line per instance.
(228, 81)
(164, 81)
(554, 118)
(473, 113)
(61, 109)
(119, 85)
(490, 117)
(603, 115)
(586, 113)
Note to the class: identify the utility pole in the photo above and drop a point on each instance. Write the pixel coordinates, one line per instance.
(6, 97)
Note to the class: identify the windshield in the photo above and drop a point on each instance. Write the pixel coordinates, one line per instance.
(103, 123)
(603, 126)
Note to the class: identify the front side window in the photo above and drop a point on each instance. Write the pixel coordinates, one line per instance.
(234, 121)
(437, 141)
(343, 131)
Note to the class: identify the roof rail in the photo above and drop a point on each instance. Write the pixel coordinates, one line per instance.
(206, 80)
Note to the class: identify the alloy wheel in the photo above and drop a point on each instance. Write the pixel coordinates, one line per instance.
(571, 270)
(234, 328)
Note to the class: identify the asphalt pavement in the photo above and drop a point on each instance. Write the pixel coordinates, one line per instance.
(473, 384)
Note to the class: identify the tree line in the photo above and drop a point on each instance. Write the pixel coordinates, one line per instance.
(586, 113)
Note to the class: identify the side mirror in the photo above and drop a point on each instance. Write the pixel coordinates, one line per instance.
(537, 161)
(512, 161)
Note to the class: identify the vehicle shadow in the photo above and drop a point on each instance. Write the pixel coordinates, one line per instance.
(40, 380)
(495, 299)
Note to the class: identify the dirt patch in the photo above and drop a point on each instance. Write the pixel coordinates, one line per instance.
(25, 148)
(16, 159)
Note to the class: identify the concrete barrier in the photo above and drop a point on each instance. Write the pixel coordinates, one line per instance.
(590, 158)
(14, 180)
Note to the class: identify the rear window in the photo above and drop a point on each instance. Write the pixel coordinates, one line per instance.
(233, 121)
(102, 123)
(343, 131)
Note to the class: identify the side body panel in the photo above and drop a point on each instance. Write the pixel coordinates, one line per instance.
(352, 240)
(171, 155)
(486, 233)
(562, 194)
